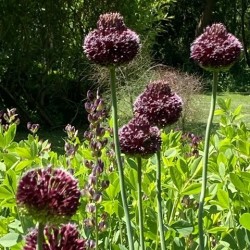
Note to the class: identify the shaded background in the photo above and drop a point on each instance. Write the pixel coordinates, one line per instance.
(45, 75)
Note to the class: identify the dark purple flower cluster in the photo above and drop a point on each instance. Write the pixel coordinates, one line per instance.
(64, 238)
(8, 117)
(158, 104)
(112, 43)
(216, 49)
(139, 138)
(48, 194)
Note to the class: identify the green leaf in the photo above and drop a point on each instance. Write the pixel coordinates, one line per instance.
(215, 230)
(245, 220)
(9, 239)
(194, 188)
(223, 198)
(23, 152)
(170, 153)
(176, 177)
(5, 193)
(10, 134)
(222, 104)
(11, 176)
(238, 183)
(33, 149)
(23, 164)
(183, 227)
(111, 207)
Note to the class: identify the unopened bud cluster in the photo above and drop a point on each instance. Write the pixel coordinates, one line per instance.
(97, 141)
(193, 143)
(72, 142)
(8, 117)
(33, 127)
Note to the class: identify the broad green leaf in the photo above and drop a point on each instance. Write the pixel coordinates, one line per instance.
(223, 198)
(237, 111)
(10, 134)
(33, 149)
(16, 224)
(222, 104)
(23, 164)
(245, 220)
(215, 230)
(113, 190)
(176, 177)
(132, 163)
(194, 188)
(11, 176)
(170, 153)
(183, 227)
(111, 207)
(23, 152)
(238, 183)
(5, 193)
(9, 239)
(9, 159)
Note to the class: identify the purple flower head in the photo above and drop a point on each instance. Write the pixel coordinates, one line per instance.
(65, 238)
(48, 194)
(139, 138)
(112, 43)
(158, 104)
(216, 49)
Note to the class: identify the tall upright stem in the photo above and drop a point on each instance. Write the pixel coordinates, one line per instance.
(141, 227)
(118, 157)
(40, 236)
(205, 160)
(159, 201)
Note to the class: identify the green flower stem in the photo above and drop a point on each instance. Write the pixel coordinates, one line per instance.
(139, 176)
(159, 201)
(205, 158)
(40, 236)
(118, 157)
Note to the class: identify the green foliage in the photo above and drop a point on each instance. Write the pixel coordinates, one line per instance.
(227, 204)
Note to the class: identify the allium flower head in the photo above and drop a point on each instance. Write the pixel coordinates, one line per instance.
(112, 43)
(65, 238)
(216, 49)
(48, 194)
(139, 138)
(158, 104)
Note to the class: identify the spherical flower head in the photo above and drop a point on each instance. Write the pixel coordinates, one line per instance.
(65, 238)
(216, 49)
(48, 194)
(139, 138)
(158, 104)
(112, 43)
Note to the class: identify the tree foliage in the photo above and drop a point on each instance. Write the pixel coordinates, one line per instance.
(43, 71)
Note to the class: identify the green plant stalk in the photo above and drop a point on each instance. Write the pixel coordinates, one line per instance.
(141, 228)
(205, 162)
(40, 236)
(96, 215)
(159, 201)
(118, 157)
(175, 205)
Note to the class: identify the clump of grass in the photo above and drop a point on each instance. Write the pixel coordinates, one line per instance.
(185, 85)
(134, 77)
